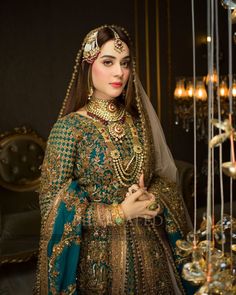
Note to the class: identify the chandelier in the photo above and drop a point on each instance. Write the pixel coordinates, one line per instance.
(210, 104)
(183, 101)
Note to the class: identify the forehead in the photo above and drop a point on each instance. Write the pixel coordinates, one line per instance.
(108, 49)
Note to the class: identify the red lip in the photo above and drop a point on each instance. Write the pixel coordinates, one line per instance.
(116, 84)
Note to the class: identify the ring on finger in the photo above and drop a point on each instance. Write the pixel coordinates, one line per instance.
(153, 206)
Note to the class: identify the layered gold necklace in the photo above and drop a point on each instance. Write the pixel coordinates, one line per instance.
(113, 116)
(109, 113)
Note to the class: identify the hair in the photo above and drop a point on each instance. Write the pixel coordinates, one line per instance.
(77, 93)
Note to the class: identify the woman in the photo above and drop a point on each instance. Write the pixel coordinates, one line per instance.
(110, 209)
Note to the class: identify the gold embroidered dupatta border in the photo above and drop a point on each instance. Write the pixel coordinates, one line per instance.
(47, 234)
(118, 259)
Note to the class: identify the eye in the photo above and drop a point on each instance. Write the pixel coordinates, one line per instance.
(107, 63)
(125, 64)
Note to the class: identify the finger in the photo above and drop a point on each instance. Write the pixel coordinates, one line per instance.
(146, 216)
(138, 194)
(145, 197)
(150, 213)
(141, 181)
(148, 196)
(148, 202)
(152, 196)
(133, 188)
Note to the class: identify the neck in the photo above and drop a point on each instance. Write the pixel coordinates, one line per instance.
(103, 99)
(107, 110)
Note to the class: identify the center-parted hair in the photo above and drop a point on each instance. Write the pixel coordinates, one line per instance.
(79, 87)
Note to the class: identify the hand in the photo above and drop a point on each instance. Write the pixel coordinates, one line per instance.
(132, 189)
(137, 200)
(133, 207)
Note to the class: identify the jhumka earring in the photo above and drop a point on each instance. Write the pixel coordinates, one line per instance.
(123, 93)
(90, 94)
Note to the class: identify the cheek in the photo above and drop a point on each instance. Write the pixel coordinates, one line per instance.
(126, 75)
(97, 73)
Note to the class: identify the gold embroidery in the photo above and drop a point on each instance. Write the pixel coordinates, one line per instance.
(167, 194)
(118, 259)
(46, 233)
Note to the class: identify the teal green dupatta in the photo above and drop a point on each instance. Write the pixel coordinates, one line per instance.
(64, 227)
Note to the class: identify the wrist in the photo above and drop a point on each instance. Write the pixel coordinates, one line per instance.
(124, 211)
(118, 215)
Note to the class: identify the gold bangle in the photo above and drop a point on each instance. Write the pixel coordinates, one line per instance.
(109, 215)
(117, 214)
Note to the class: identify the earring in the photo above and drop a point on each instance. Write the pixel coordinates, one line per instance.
(123, 93)
(90, 94)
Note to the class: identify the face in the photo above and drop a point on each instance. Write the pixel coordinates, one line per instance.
(110, 71)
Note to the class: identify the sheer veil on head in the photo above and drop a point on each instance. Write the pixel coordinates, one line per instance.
(164, 164)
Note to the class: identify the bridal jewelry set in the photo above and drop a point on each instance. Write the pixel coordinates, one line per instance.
(114, 122)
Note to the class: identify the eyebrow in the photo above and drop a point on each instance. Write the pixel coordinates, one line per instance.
(113, 57)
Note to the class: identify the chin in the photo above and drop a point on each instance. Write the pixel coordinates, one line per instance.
(114, 95)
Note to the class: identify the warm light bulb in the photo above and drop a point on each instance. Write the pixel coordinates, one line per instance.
(213, 78)
(189, 89)
(180, 91)
(234, 89)
(200, 93)
(223, 89)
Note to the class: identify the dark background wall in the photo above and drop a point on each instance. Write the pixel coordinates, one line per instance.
(39, 41)
(179, 63)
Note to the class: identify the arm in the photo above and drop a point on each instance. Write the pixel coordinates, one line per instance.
(57, 173)
(62, 203)
(100, 214)
(58, 165)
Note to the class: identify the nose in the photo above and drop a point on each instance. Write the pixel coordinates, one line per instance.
(118, 70)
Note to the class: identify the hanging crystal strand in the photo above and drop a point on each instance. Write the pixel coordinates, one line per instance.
(194, 125)
(219, 119)
(231, 137)
(212, 117)
(210, 52)
(176, 119)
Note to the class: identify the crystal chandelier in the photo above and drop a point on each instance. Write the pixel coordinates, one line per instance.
(210, 104)
(183, 101)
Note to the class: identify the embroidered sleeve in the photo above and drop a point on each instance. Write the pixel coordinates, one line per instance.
(168, 195)
(57, 170)
(58, 163)
(99, 214)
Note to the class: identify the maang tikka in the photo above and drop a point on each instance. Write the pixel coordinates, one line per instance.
(91, 48)
(118, 43)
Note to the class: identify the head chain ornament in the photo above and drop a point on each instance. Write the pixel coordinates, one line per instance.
(91, 48)
(88, 58)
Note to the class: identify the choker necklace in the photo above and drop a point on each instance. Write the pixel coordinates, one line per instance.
(107, 110)
(110, 113)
